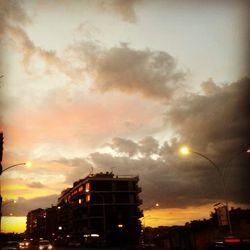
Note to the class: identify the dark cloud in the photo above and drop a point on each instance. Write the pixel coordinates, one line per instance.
(149, 146)
(124, 146)
(217, 123)
(209, 87)
(151, 74)
(77, 168)
(23, 206)
(146, 146)
(35, 185)
(171, 185)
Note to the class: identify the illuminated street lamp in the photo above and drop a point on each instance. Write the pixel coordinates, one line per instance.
(8, 202)
(152, 206)
(185, 151)
(28, 164)
(149, 208)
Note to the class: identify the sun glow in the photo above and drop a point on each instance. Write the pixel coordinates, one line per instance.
(13, 224)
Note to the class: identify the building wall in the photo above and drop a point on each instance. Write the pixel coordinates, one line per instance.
(103, 205)
(42, 223)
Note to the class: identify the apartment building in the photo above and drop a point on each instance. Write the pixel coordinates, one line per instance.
(101, 207)
(42, 223)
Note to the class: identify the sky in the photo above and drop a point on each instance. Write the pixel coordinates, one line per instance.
(115, 85)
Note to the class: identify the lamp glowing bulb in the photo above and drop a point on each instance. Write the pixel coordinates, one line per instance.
(28, 164)
(184, 150)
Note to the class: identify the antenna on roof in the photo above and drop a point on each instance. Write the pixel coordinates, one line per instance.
(91, 171)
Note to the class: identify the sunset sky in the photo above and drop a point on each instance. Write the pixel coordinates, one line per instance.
(120, 85)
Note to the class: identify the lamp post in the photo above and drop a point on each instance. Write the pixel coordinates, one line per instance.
(152, 206)
(2, 171)
(8, 202)
(28, 164)
(221, 173)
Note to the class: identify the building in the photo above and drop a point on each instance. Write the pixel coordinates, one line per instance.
(42, 223)
(101, 208)
(32, 224)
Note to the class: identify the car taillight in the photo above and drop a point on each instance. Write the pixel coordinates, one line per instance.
(232, 241)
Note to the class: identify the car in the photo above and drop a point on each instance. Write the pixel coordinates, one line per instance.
(10, 245)
(44, 244)
(74, 244)
(24, 244)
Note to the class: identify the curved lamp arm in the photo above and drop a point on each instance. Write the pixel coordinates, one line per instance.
(235, 155)
(221, 174)
(208, 159)
(12, 166)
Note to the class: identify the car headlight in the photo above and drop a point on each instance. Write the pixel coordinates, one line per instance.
(40, 247)
(50, 247)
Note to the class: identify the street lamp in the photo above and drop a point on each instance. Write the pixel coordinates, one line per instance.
(8, 202)
(185, 151)
(153, 206)
(28, 164)
(149, 208)
(246, 150)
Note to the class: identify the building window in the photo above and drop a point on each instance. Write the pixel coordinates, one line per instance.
(88, 198)
(87, 187)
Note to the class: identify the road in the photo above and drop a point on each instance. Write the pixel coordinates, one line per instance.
(85, 248)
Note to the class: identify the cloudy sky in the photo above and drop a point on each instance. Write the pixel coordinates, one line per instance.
(119, 86)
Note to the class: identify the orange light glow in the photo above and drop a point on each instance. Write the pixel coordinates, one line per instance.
(88, 198)
(184, 150)
(28, 164)
(87, 187)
